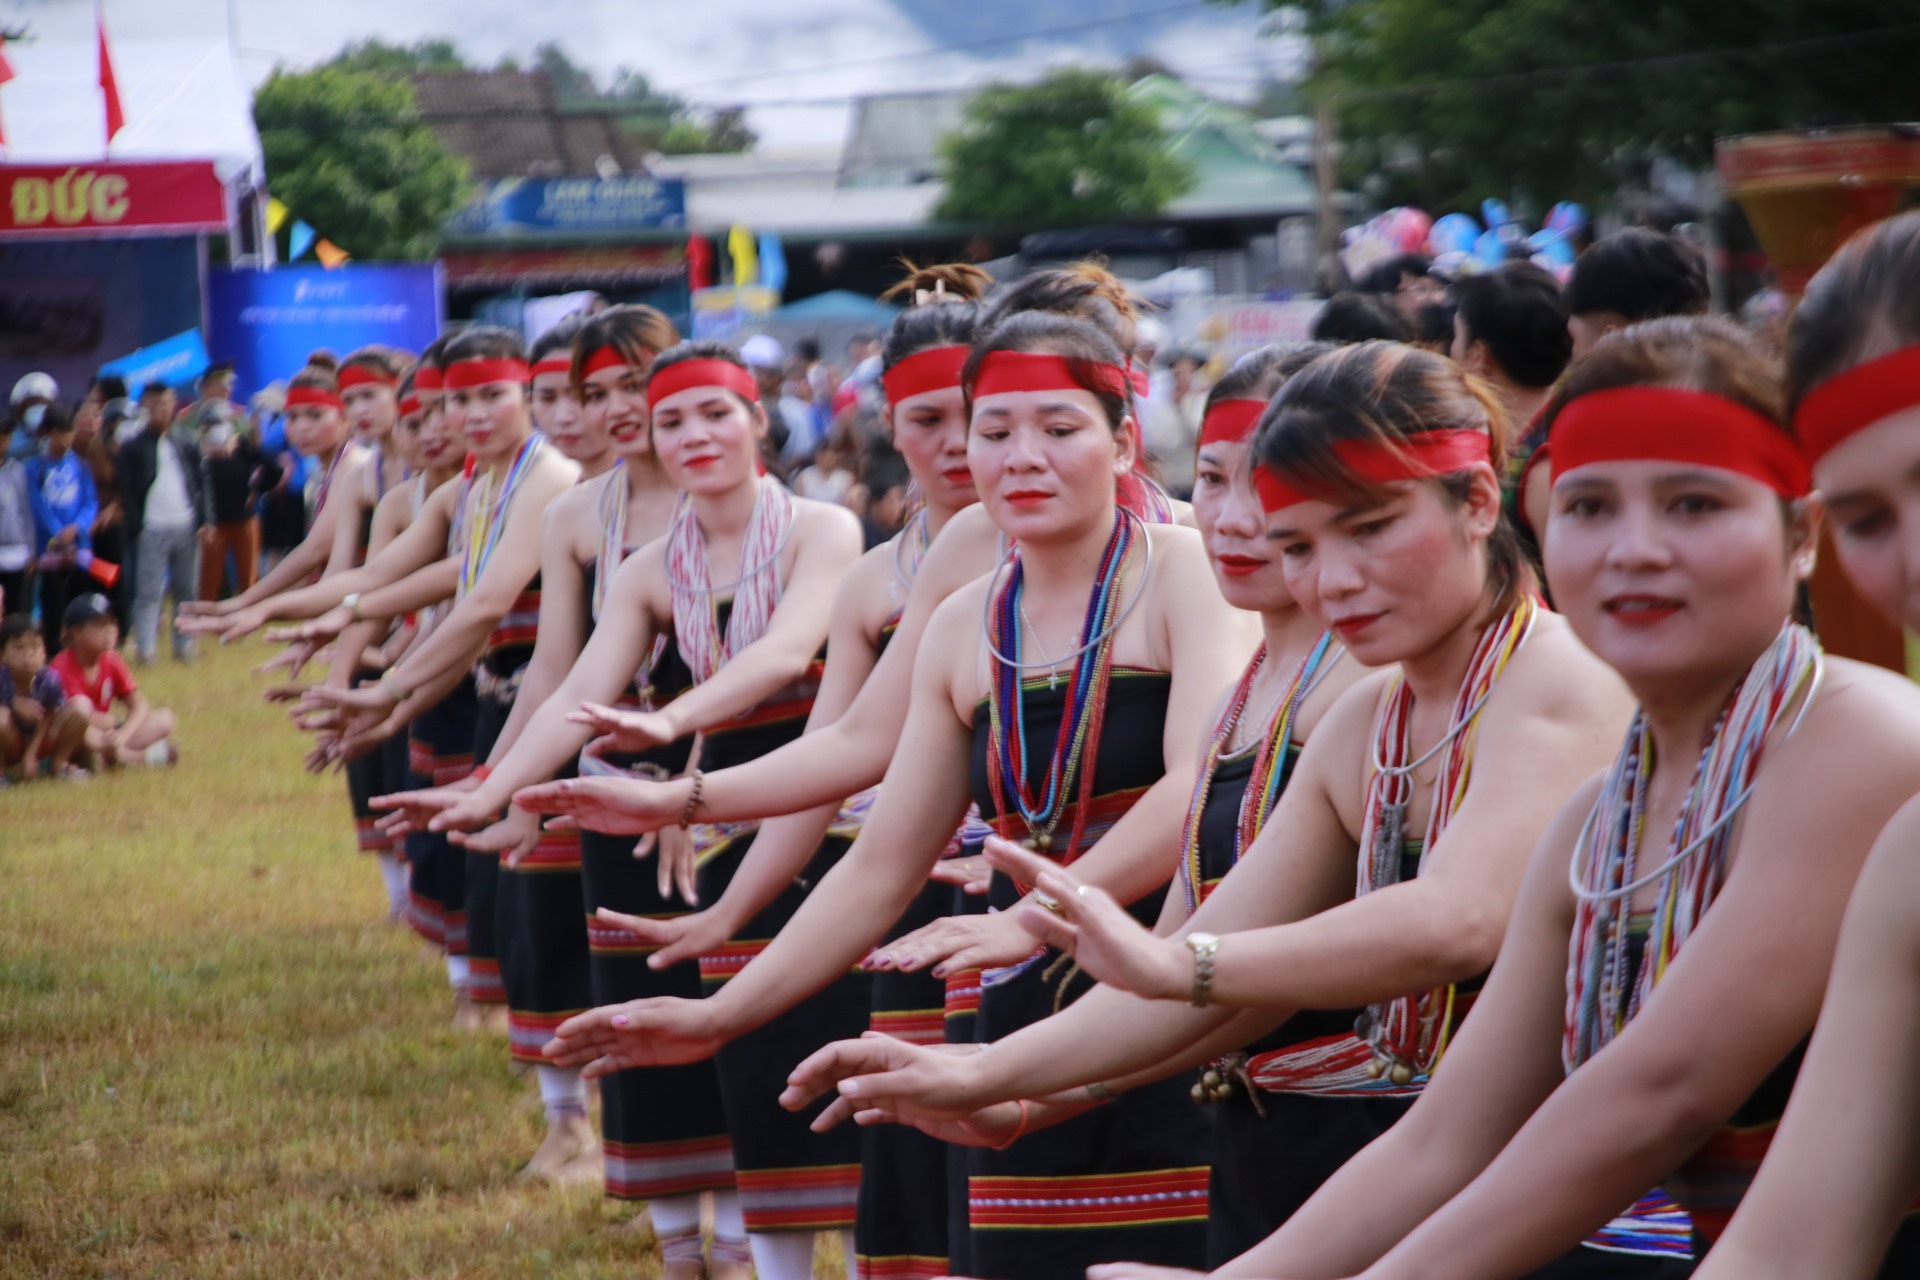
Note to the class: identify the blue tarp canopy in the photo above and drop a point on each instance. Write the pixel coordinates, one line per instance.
(842, 305)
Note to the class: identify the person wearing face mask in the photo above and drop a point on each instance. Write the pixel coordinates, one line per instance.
(26, 406)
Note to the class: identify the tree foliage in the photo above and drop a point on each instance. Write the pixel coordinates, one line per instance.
(1571, 99)
(345, 149)
(1069, 150)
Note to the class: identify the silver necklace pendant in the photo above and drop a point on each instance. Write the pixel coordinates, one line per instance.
(1388, 837)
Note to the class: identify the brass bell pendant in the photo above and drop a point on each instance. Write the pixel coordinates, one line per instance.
(1377, 1068)
(1402, 1074)
(1201, 1093)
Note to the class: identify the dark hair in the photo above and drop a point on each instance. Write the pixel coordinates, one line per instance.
(154, 389)
(1086, 347)
(15, 625)
(807, 349)
(1085, 290)
(1259, 374)
(1865, 303)
(56, 417)
(1433, 325)
(433, 354)
(557, 336)
(1359, 317)
(321, 358)
(640, 334)
(1693, 353)
(109, 386)
(948, 319)
(1387, 277)
(484, 342)
(321, 376)
(1640, 274)
(388, 362)
(1385, 393)
(1518, 311)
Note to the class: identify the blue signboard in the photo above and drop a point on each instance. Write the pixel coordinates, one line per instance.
(176, 362)
(545, 206)
(268, 322)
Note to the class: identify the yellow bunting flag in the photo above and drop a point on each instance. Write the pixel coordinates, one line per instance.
(277, 215)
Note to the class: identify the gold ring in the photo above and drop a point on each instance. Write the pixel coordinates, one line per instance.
(1047, 901)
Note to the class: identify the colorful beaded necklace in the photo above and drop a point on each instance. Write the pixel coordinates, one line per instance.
(1077, 740)
(1263, 788)
(1409, 1034)
(1603, 995)
(486, 515)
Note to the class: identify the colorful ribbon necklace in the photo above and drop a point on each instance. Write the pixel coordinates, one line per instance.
(1263, 788)
(1077, 741)
(1410, 1033)
(1602, 994)
(486, 515)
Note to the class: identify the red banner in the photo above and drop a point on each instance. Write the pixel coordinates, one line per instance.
(110, 198)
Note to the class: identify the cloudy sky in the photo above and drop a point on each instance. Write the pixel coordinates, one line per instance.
(802, 58)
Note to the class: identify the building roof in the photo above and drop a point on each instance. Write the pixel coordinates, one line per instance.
(508, 124)
(894, 139)
(794, 192)
(1238, 172)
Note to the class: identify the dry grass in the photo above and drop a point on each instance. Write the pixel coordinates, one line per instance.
(217, 1061)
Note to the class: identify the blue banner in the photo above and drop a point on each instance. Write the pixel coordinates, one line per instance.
(514, 207)
(268, 322)
(177, 362)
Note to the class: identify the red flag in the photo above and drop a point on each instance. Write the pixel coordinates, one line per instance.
(6, 74)
(116, 118)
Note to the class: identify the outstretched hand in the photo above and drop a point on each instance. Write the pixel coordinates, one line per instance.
(971, 872)
(879, 1071)
(958, 942)
(616, 806)
(663, 1031)
(513, 837)
(616, 730)
(1084, 921)
(679, 939)
(406, 811)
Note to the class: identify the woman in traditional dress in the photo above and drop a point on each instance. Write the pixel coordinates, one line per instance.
(1140, 651)
(1836, 1196)
(1625, 1036)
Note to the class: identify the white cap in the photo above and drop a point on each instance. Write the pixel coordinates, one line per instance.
(36, 386)
(763, 351)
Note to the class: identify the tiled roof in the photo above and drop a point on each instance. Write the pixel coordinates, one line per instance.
(508, 125)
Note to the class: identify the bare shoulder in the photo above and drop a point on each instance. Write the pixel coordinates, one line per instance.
(575, 516)
(826, 519)
(1556, 676)
(867, 589)
(1863, 713)
(1347, 726)
(1177, 544)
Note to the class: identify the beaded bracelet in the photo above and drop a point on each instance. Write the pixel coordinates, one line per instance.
(693, 798)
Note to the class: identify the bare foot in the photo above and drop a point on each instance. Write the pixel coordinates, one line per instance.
(731, 1271)
(690, 1269)
(569, 1140)
(467, 1016)
(586, 1169)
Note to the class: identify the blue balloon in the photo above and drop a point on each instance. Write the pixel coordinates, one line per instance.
(1553, 246)
(1455, 233)
(1567, 218)
(1490, 249)
(1495, 212)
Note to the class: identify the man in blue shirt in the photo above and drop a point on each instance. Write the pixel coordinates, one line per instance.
(60, 484)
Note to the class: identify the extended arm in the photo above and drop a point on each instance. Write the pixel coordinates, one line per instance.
(563, 628)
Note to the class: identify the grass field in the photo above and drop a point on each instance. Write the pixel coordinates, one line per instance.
(217, 1060)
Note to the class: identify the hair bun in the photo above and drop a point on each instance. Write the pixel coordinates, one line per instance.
(324, 359)
(940, 282)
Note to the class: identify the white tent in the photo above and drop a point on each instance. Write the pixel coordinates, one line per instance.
(183, 97)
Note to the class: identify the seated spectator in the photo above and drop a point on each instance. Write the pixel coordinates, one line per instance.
(1633, 275)
(830, 478)
(96, 676)
(37, 720)
(1359, 317)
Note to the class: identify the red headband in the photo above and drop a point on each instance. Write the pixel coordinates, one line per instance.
(298, 396)
(1666, 424)
(683, 375)
(561, 362)
(1855, 400)
(1004, 371)
(934, 369)
(1231, 421)
(1431, 453)
(602, 359)
(410, 406)
(428, 377)
(359, 375)
(465, 374)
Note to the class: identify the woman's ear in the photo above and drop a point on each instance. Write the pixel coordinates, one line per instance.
(1127, 452)
(758, 413)
(1805, 516)
(1482, 507)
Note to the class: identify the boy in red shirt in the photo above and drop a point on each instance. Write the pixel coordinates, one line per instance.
(92, 670)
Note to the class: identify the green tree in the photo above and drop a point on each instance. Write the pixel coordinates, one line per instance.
(1070, 150)
(346, 151)
(399, 60)
(1571, 99)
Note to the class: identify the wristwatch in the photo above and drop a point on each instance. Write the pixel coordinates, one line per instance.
(352, 601)
(1204, 947)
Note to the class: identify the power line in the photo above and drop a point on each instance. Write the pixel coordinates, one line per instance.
(960, 46)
